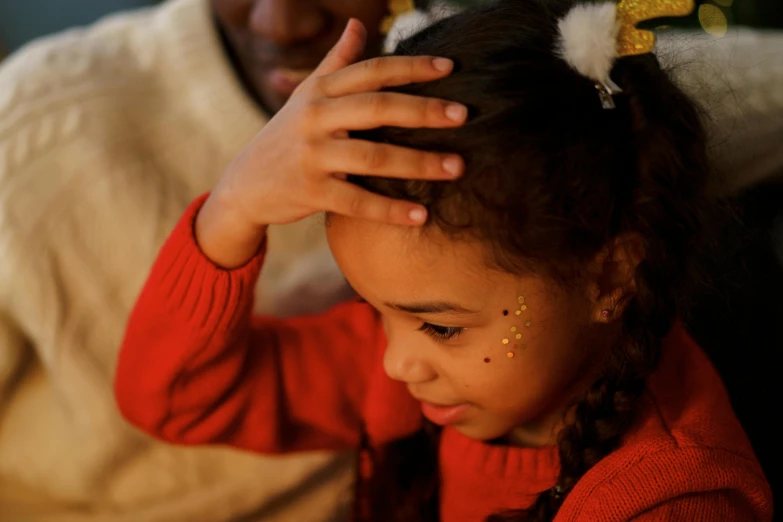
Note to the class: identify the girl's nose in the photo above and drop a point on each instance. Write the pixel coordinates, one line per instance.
(405, 363)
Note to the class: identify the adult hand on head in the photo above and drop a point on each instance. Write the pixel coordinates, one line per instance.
(295, 166)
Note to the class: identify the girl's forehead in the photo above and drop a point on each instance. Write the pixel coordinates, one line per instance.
(398, 264)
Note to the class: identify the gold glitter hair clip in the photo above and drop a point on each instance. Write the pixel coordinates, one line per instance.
(594, 35)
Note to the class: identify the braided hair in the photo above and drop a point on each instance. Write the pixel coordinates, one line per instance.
(551, 179)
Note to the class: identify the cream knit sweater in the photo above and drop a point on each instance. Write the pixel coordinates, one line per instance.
(105, 136)
(738, 80)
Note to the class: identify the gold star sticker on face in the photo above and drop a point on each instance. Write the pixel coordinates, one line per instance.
(631, 40)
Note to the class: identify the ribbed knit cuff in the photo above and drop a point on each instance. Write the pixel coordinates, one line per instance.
(205, 296)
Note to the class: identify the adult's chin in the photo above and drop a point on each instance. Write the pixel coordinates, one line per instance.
(271, 98)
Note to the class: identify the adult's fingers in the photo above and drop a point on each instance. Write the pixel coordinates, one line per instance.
(390, 161)
(386, 71)
(381, 109)
(350, 200)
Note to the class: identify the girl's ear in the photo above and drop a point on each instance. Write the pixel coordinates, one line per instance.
(612, 277)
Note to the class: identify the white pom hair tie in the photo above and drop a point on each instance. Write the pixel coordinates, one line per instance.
(593, 35)
(588, 43)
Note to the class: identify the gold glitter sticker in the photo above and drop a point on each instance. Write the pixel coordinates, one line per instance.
(513, 328)
(518, 312)
(519, 336)
(632, 41)
(505, 341)
(524, 307)
(510, 355)
(527, 323)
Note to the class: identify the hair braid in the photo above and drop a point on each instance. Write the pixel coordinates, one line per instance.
(604, 413)
(601, 417)
(572, 177)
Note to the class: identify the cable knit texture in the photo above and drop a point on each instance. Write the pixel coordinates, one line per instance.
(106, 135)
(738, 80)
(197, 368)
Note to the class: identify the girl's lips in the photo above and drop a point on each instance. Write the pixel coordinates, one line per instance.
(444, 415)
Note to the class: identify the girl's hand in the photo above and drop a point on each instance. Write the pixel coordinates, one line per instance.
(295, 166)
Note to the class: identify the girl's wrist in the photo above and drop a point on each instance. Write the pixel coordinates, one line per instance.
(224, 235)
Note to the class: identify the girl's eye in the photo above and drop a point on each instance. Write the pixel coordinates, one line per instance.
(440, 333)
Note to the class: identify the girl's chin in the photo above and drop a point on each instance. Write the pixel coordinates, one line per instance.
(480, 433)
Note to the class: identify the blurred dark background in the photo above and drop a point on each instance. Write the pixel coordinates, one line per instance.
(24, 20)
(754, 13)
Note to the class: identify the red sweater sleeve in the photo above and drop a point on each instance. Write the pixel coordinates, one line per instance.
(702, 507)
(195, 367)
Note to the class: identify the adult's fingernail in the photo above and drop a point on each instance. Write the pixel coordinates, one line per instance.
(442, 64)
(456, 112)
(452, 165)
(417, 215)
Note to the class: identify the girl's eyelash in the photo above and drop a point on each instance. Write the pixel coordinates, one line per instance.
(440, 333)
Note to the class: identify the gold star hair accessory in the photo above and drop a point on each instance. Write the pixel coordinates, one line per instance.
(396, 8)
(594, 35)
(631, 40)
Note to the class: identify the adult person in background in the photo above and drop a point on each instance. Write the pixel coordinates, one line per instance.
(135, 116)
(94, 126)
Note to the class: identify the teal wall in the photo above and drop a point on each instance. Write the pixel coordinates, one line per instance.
(23, 20)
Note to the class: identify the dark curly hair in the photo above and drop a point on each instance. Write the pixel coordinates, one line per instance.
(551, 177)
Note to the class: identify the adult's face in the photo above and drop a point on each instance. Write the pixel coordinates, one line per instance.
(277, 43)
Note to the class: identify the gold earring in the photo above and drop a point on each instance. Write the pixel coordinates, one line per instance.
(396, 8)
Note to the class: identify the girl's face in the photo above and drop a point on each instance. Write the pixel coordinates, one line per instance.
(493, 354)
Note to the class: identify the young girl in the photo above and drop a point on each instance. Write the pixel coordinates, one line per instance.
(517, 357)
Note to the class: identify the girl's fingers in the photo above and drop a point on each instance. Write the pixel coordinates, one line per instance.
(389, 161)
(350, 200)
(346, 51)
(382, 109)
(387, 71)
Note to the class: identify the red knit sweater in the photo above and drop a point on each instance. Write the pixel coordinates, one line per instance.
(197, 368)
